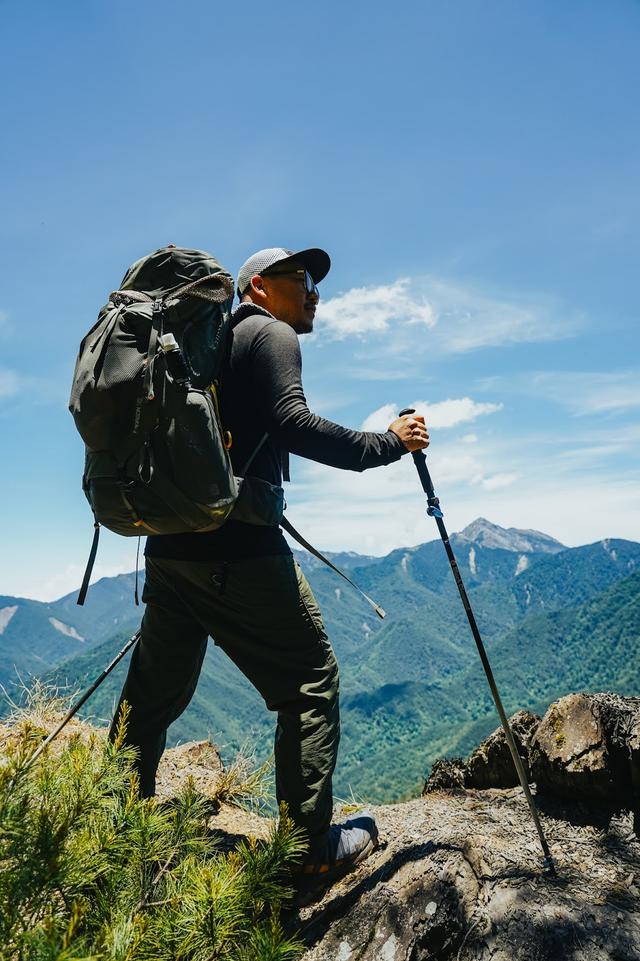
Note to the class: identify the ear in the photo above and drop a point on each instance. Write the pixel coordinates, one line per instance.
(258, 291)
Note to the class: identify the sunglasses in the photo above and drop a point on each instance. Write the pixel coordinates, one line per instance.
(309, 283)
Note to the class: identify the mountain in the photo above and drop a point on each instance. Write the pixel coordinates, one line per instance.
(108, 608)
(392, 735)
(486, 534)
(552, 618)
(34, 635)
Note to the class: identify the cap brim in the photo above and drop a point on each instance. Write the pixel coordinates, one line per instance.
(315, 260)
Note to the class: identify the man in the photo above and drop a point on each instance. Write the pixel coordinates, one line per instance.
(240, 584)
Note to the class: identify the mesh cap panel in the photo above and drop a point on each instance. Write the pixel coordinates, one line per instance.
(316, 261)
(260, 261)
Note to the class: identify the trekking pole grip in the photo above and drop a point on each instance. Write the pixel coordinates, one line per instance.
(420, 460)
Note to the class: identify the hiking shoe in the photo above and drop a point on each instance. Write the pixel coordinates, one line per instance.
(345, 846)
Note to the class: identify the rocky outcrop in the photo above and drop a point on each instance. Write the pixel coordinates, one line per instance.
(491, 764)
(197, 761)
(585, 749)
(459, 877)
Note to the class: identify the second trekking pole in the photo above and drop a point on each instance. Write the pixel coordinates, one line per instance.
(434, 510)
(83, 699)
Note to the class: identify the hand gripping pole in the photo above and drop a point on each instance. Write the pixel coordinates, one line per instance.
(434, 510)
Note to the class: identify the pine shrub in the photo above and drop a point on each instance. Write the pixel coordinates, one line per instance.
(89, 872)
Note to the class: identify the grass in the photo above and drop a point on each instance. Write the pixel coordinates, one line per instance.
(90, 872)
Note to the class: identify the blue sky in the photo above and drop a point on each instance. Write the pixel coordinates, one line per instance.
(472, 170)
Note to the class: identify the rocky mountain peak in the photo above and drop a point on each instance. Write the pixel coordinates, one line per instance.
(485, 534)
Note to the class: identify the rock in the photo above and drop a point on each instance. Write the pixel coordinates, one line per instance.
(570, 756)
(459, 877)
(491, 764)
(446, 774)
(198, 760)
(587, 748)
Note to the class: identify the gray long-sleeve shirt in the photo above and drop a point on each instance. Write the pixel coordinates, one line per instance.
(262, 394)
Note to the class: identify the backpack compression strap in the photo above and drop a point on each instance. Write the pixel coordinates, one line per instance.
(82, 593)
(290, 529)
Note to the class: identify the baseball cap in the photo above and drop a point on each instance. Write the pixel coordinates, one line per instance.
(315, 260)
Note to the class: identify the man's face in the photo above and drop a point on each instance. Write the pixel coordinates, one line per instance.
(285, 295)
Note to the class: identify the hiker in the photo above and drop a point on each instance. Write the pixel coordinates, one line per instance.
(240, 584)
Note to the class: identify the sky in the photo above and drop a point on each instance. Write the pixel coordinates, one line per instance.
(473, 171)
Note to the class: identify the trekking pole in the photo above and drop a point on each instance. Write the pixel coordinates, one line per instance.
(434, 510)
(81, 700)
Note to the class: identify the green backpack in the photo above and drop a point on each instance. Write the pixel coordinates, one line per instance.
(144, 399)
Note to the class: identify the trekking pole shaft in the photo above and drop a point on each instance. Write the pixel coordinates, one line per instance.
(517, 760)
(83, 699)
(420, 461)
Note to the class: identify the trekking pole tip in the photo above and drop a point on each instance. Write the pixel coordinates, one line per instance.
(550, 865)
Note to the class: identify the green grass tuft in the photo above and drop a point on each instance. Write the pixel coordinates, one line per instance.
(89, 872)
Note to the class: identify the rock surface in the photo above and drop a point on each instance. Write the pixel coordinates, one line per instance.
(198, 760)
(586, 748)
(490, 765)
(459, 877)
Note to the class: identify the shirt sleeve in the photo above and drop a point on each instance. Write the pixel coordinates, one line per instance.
(276, 367)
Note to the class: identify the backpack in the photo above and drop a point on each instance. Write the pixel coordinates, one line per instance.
(144, 399)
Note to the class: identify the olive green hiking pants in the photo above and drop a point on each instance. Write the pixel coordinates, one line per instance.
(262, 613)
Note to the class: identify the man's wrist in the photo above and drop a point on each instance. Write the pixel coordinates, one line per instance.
(396, 442)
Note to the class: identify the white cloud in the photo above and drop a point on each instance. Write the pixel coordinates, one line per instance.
(35, 391)
(590, 392)
(380, 419)
(62, 581)
(365, 310)
(457, 318)
(580, 454)
(495, 481)
(450, 413)
(540, 479)
(47, 583)
(382, 509)
(442, 414)
(470, 318)
(9, 382)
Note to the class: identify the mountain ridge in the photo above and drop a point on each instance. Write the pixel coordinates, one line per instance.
(483, 532)
(410, 682)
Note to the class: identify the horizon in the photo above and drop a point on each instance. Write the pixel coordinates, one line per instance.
(297, 549)
(473, 173)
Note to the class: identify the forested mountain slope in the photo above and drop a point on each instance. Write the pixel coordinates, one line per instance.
(554, 619)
